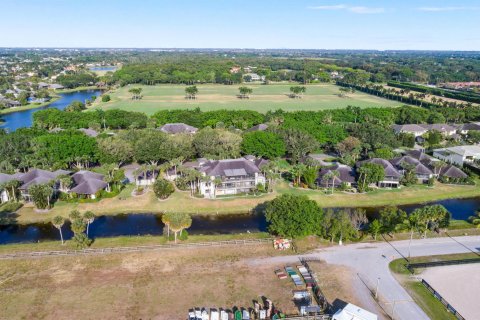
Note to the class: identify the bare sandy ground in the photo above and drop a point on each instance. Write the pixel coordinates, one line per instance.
(459, 285)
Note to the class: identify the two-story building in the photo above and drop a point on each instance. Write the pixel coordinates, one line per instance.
(230, 176)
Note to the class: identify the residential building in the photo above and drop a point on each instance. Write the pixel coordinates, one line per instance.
(392, 175)
(175, 128)
(345, 175)
(445, 129)
(414, 129)
(88, 183)
(404, 163)
(36, 177)
(56, 86)
(458, 155)
(466, 127)
(230, 177)
(253, 77)
(89, 132)
(258, 127)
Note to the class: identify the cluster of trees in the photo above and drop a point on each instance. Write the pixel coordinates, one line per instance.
(297, 216)
(79, 79)
(392, 219)
(112, 119)
(79, 223)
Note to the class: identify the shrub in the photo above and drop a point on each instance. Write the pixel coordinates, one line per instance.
(163, 188)
(106, 98)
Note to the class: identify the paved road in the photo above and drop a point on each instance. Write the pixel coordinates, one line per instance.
(367, 261)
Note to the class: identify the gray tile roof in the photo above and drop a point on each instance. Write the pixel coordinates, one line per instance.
(231, 167)
(452, 172)
(89, 132)
(345, 174)
(258, 127)
(88, 182)
(38, 176)
(390, 170)
(5, 178)
(91, 186)
(174, 128)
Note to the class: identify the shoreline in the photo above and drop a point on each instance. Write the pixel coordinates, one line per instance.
(55, 97)
(30, 106)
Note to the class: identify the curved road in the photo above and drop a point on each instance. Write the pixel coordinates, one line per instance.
(367, 261)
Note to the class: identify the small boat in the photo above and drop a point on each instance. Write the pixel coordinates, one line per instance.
(191, 315)
(198, 313)
(245, 315)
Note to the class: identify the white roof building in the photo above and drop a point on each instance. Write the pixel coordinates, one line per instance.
(353, 312)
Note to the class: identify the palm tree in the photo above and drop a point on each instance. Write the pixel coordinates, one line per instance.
(334, 174)
(89, 217)
(12, 188)
(58, 222)
(216, 182)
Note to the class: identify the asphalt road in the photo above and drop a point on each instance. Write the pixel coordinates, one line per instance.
(367, 261)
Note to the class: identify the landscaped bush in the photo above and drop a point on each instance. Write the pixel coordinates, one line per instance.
(106, 98)
(163, 188)
(182, 184)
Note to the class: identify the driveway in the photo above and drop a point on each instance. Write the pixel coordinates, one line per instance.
(366, 260)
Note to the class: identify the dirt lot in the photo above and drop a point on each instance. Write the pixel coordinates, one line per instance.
(459, 285)
(153, 285)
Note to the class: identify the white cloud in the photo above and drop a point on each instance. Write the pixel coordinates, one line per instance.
(365, 10)
(353, 9)
(443, 9)
(333, 7)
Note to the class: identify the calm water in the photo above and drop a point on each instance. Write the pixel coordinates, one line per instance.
(151, 224)
(21, 119)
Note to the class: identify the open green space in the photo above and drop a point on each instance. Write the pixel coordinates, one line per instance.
(263, 99)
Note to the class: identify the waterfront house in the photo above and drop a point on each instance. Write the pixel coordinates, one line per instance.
(345, 176)
(88, 183)
(404, 163)
(36, 177)
(392, 175)
(230, 176)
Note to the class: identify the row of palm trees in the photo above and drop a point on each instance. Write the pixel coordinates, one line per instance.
(407, 96)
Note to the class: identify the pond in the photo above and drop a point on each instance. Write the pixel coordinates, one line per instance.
(151, 224)
(24, 118)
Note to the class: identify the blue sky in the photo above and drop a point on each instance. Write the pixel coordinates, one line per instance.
(315, 24)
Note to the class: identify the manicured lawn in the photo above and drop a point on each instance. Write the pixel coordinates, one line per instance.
(263, 99)
(382, 197)
(182, 202)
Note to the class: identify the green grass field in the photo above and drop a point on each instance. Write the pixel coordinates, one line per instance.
(263, 99)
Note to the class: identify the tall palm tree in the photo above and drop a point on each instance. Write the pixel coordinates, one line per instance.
(58, 222)
(216, 182)
(89, 217)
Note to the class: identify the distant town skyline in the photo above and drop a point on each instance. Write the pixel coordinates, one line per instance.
(267, 24)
